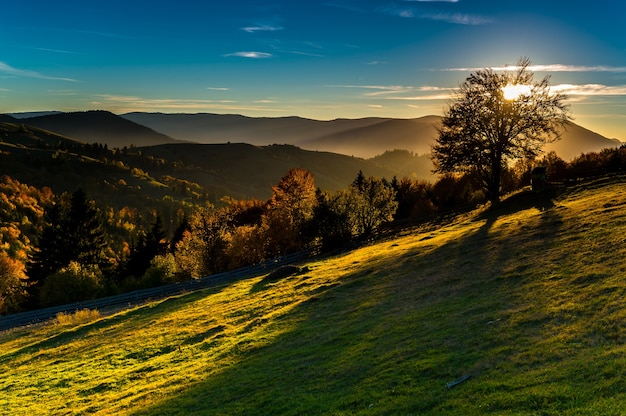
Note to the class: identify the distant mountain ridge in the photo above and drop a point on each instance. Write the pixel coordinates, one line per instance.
(6, 118)
(31, 114)
(41, 158)
(99, 127)
(222, 128)
(366, 137)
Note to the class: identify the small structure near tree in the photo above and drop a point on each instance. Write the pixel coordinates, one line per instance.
(539, 179)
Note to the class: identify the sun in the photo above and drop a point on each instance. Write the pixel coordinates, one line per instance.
(514, 91)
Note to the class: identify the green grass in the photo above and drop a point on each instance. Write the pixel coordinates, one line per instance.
(526, 298)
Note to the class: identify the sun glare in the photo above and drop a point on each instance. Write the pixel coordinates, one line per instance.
(514, 91)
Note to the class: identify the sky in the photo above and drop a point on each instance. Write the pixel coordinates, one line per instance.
(317, 59)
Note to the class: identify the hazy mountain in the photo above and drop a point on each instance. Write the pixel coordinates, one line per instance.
(251, 171)
(415, 135)
(30, 114)
(6, 118)
(364, 137)
(99, 127)
(576, 140)
(15, 133)
(222, 128)
(149, 174)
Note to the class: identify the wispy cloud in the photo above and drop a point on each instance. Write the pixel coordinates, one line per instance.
(402, 92)
(426, 97)
(67, 93)
(589, 89)
(406, 12)
(303, 48)
(218, 88)
(436, 93)
(347, 6)
(383, 89)
(124, 103)
(550, 68)
(7, 69)
(56, 51)
(251, 54)
(454, 18)
(262, 28)
(574, 68)
(316, 55)
(458, 18)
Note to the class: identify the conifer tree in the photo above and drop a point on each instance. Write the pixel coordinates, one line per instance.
(73, 231)
(148, 246)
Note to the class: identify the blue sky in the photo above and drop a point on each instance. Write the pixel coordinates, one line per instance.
(317, 59)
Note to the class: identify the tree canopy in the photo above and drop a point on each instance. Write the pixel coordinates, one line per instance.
(73, 231)
(495, 118)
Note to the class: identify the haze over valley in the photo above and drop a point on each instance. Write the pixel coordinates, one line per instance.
(361, 137)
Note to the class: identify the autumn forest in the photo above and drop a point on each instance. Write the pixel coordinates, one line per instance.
(62, 243)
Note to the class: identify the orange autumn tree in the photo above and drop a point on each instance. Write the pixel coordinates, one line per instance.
(289, 209)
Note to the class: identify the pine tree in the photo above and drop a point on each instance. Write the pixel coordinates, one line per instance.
(148, 246)
(73, 231)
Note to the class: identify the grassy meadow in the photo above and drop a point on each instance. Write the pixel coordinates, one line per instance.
(527, 299)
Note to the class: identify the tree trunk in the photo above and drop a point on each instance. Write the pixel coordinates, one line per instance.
(494, 184)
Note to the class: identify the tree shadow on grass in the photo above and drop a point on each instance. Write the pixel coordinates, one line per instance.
(388, 337)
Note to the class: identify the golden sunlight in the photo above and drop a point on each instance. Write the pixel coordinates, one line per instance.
(514, 91)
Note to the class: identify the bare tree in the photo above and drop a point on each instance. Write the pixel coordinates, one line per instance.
(495, 118)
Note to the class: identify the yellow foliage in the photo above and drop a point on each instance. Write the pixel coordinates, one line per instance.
(81, 316)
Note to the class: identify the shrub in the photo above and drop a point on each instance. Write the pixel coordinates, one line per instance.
(73, 283)
(162, 270)
(81, 316)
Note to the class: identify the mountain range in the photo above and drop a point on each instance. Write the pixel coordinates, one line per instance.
(188, 157)
(97, 127)
(41, 158)
(364, 137)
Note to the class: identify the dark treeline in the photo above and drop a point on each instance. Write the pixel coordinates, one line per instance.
(64, 248)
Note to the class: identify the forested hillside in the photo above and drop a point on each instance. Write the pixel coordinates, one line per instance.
(79, 221)
(513, 310)
(83, 220)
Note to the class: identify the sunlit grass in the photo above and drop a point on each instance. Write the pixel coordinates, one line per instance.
(526, 298)
(78, 317)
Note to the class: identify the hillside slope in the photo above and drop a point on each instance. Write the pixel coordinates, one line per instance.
(251, 171)
(42, 158)
(523, 302)
(577, 140)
